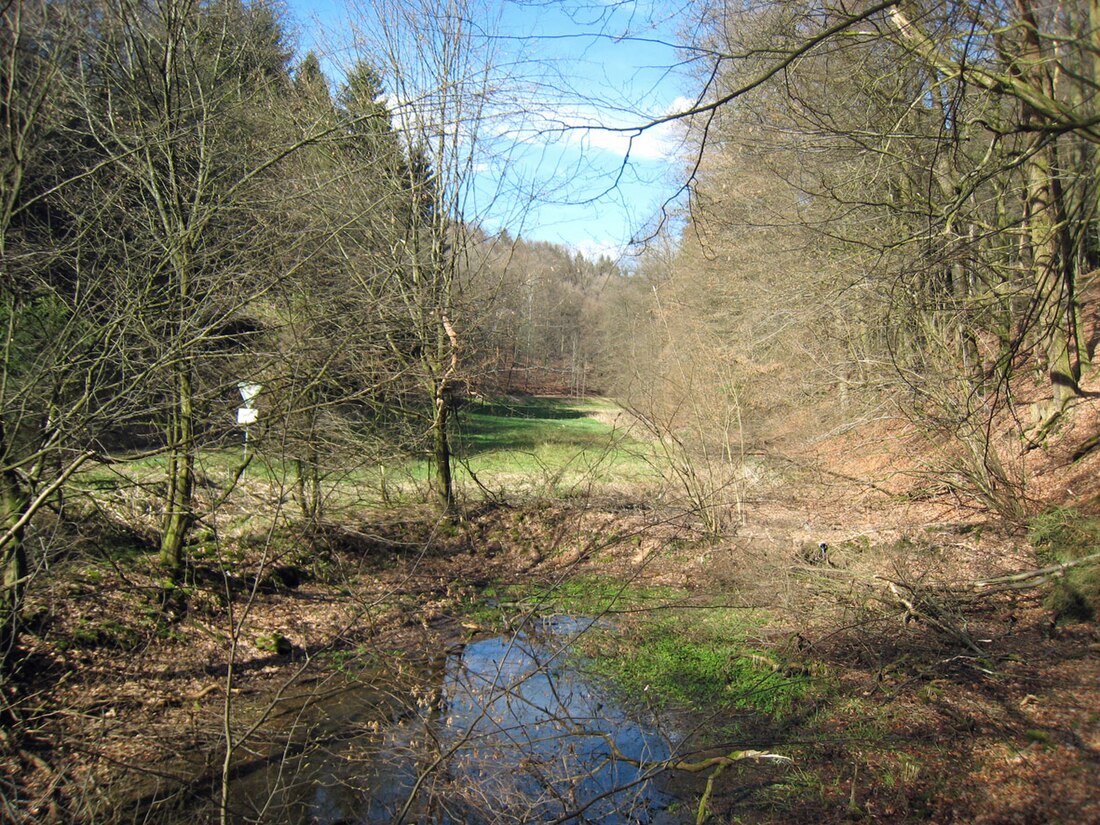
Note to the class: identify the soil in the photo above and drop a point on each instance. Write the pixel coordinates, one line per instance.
(948, 703)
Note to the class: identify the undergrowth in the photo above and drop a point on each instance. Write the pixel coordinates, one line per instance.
(1063, 534)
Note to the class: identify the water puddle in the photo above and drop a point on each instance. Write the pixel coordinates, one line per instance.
(509, 730)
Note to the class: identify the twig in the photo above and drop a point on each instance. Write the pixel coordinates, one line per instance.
(1033, 578)
(928, 617)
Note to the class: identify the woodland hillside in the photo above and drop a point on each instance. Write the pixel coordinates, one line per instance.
(292, 421)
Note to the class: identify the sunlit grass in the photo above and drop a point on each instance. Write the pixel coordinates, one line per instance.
(553, 446)
(702, 659)
(579, 595)
(554, 443)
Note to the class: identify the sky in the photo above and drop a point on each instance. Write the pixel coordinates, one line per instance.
(559, 171)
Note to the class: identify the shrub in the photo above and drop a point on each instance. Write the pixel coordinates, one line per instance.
(1063, 534)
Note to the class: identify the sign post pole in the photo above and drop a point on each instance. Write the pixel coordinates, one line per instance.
(248, 414)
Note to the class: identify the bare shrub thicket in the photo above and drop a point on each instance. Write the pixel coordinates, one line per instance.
(911, 193)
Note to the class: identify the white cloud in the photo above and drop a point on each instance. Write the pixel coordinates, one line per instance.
(594, 250)
(618, 132)
(621, 134)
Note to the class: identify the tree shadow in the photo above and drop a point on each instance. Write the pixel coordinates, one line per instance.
(525, 426)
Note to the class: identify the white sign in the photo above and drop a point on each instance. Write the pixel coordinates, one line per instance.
(249, 391)
(247, 415)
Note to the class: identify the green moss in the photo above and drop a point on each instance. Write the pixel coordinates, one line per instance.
(275, 643)
(1074, 598)
(90, 575)
(1063, 534)
(110, 634)
(1039, 737)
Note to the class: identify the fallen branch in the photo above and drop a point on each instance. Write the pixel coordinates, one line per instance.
(930, 614)
(1032, 578)
(716, 764)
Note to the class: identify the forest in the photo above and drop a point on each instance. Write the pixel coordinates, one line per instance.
(329, 494)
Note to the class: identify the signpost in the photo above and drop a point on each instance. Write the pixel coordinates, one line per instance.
(248, 414)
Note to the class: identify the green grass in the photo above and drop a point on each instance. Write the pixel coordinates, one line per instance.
(700, 660)
(552, 446)
(582, 595)
(591, 595)
(552, 443)
(525, 426)
(213, 466)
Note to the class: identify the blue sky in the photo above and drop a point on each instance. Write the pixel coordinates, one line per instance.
(566, 179)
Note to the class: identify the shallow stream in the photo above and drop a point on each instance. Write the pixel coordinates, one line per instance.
(510, 730)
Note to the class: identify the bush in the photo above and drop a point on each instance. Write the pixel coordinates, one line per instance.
(1063, 534)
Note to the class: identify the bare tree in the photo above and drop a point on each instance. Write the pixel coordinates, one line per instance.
(186, 130)
(55, 338)
(438, 63)
(935, 163)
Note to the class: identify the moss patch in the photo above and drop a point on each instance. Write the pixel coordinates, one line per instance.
(1062, 534)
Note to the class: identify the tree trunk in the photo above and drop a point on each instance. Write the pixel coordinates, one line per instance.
(181, 477)
(1057, 322)
(441, 451)
(1092, 152)
(309, 489)
(308, 468)
(1046, 230)
(13, 559)
(447, 348)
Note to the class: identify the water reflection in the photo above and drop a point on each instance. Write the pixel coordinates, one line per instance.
(511, 731)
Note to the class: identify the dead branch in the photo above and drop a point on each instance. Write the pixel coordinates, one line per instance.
(919, 606)
(1030, 578)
